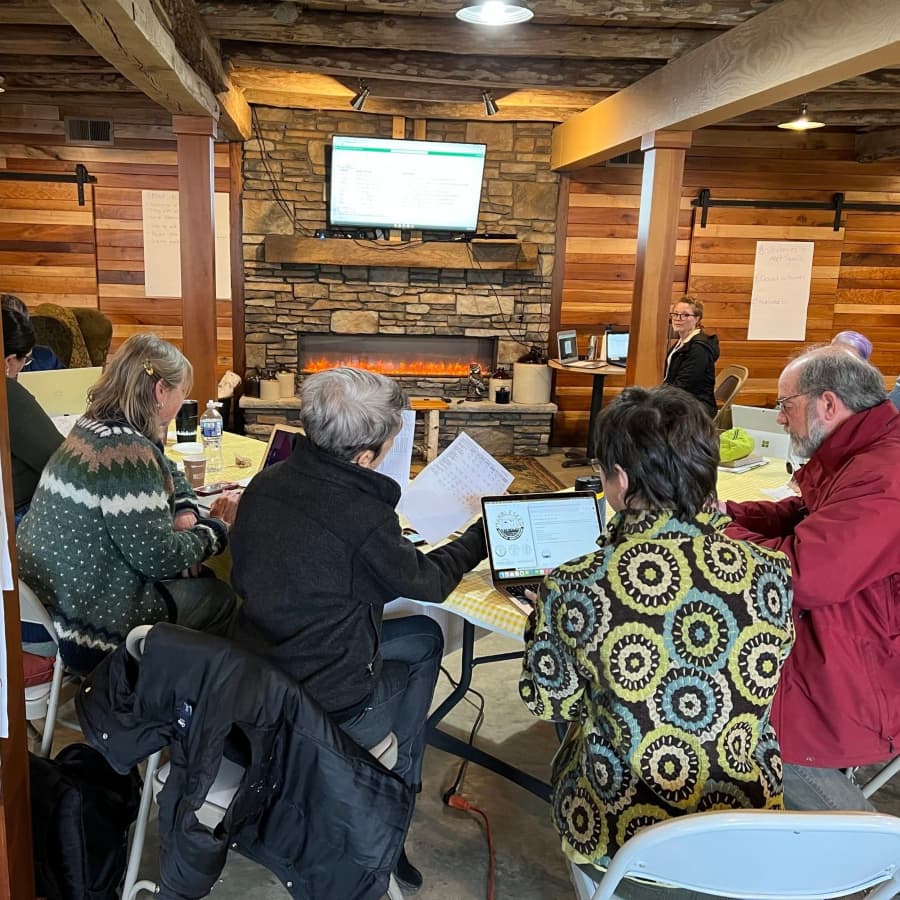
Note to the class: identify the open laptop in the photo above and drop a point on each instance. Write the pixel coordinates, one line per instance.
(61, 392)
(762, 425)
(616, 348)
(529, 535)
(567, 348)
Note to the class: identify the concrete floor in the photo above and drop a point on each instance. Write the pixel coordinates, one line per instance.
(450, 846)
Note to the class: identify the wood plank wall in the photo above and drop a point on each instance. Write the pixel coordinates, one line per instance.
(53, 250)
(856, 271)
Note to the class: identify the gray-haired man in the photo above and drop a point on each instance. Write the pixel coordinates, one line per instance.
(838, 702)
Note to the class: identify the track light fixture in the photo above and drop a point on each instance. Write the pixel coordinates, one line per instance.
(490, 104)
(359, 98)
(802, 122)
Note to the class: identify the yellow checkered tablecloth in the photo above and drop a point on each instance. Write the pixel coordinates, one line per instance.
(475, 599)
(232, 445)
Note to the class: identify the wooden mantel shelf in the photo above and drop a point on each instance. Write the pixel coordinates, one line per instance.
(479, 254)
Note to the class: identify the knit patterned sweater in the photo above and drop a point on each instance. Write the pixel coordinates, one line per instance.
(100, 533)
(664, 648)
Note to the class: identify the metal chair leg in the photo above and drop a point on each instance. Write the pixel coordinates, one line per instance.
(132, 886)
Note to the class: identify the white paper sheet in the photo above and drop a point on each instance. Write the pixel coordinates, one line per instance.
(780, 493)
(396, 464)
(447, 492)
(781, 280)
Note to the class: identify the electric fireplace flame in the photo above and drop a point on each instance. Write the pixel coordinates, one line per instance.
(390, 366)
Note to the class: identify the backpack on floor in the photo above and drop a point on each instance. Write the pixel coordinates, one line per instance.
(81, 810)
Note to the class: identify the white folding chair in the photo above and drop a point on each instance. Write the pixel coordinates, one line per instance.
(42, 700)
(878, 780)
(218, 799)
(760, 855)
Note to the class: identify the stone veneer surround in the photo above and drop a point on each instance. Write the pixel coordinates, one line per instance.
(283, 300)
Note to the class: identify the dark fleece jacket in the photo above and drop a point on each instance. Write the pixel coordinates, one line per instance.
(318, 550)
(693, 369)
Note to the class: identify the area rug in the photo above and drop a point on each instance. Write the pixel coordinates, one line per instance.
(530, 476)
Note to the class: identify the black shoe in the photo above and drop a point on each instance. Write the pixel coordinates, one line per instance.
(408, 876)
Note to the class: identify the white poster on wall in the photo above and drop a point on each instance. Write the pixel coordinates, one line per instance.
(162, 244)
(781, 278)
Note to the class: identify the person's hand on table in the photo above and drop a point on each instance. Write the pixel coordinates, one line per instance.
(185, 520)
(225, 506)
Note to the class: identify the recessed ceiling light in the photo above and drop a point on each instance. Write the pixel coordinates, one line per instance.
(802, 122)
(494, 12)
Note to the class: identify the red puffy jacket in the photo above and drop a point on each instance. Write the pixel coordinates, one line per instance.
(838, 702)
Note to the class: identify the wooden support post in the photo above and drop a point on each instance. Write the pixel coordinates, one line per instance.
(196, 185)
(16, 869)
(657, 232)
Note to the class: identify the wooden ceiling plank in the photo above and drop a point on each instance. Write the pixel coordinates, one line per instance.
(441, 68)
(786, 51)
(685, 12)
(876, 145)
(265, 22)
(46, 41)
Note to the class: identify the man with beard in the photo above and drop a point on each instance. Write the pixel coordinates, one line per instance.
(838, 701)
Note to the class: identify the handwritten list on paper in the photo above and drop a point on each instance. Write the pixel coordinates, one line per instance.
(781, 280)
(162, 244)
(448, 491)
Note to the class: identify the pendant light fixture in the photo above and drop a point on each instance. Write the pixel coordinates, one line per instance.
(802, 122)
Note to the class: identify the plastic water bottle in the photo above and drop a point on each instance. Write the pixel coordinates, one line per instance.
(211, 435)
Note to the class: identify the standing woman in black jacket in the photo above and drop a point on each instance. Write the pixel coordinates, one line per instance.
(691, 362)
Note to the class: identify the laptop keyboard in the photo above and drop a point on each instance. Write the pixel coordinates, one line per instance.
(518, 590)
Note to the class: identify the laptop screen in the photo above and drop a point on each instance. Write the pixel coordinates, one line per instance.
(281, 445)
(529, 535)
(617, 346)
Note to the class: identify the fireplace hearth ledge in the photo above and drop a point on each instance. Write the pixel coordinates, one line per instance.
(502, 428)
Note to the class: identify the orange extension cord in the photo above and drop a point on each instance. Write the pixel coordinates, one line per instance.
(459, 802)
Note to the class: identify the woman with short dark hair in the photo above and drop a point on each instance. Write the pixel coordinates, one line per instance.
(663, 647)
(33, 438)
(691, 361)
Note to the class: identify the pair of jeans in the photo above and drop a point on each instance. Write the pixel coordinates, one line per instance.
(808, 788)
(411, 652)
(203, 604)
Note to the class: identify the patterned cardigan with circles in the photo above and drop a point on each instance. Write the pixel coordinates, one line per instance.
(664, 649)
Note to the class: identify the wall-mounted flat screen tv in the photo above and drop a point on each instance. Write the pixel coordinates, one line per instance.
(383, 183)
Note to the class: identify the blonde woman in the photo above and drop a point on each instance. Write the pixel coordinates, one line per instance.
(114, 538)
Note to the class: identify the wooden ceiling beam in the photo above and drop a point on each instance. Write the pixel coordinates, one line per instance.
(788, 50)
(129, 34)
(877, 145)
(269, 23)
(441, 68)
(725, 13)
(343, 89)
(509, 112)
